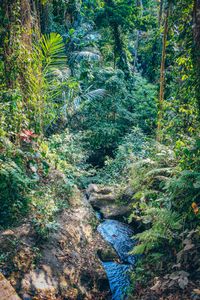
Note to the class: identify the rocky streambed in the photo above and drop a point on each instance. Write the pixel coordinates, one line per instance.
(118, 234)
(84, 259)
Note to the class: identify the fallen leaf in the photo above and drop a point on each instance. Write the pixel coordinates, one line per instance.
(195, 208)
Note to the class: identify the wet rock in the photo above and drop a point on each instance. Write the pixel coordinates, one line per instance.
(7, 232)
(100, 200)
(104, 199)
(99, 189)
(108, 255)
(116, 212)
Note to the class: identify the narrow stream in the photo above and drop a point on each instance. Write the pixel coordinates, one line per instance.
(119, 235)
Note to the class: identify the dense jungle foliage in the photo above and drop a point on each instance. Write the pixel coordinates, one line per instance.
(106, 91)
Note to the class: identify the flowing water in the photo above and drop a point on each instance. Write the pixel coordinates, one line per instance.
(119, 235)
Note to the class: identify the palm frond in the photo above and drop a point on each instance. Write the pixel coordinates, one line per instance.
(87, 55)
(53, 51)
(96, 94)
(77, 102)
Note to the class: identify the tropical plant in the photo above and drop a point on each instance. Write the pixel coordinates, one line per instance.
(14, 192)
(52, 53)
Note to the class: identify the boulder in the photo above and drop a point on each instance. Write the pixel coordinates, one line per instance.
(108, 255)
(99, 189)
(105, 190)
(104, 199)
(92, 188)
(116, 212)
(101, 200)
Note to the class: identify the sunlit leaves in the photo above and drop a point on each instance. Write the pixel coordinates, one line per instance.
(53, 51)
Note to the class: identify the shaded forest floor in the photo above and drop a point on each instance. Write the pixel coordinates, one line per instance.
(64, 267)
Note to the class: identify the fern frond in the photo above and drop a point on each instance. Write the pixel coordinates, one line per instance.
(164, 225)
(160, 171)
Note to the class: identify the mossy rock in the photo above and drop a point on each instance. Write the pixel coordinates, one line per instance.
(108, 255)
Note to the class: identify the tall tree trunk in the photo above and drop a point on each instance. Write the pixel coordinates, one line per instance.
(160, 12)
(20, 27)
(7, 7)
(196, 48)
(26, 23)
(45, 16)
(120, 50)
(120, 55)
(162, 76)
(73, 14)
(140, 5)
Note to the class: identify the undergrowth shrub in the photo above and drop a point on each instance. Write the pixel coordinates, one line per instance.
(166, 202)
(67, 146)
(184, 189)
(65, 151)
(14, 184)
(38, 177)
(133, 146)
(65, 157)
(163, 231)
(184, 192)
(45, 203)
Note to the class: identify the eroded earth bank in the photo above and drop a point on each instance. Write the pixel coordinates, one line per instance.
(69, 265)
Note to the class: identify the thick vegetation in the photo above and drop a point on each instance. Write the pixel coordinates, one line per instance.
(106, 91)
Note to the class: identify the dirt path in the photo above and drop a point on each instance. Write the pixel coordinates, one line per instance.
(65, 267)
